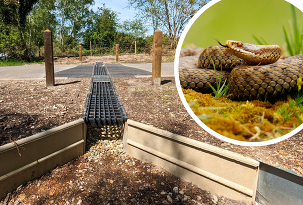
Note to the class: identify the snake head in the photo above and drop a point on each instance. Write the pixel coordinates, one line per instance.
(221, 43)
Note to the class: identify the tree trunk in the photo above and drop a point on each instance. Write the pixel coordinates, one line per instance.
(62, 28)
(168, 19)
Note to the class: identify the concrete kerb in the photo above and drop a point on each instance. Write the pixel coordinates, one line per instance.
(210, 168)
(35, 155)
(182, 157)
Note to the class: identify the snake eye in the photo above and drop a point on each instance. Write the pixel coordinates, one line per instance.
(240, 44)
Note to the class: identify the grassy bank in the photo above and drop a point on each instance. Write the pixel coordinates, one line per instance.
(13, 62)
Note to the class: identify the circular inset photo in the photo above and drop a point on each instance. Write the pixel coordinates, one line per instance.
(238, 69)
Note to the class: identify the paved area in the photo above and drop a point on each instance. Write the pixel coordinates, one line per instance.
(83, 71)
(28, 72)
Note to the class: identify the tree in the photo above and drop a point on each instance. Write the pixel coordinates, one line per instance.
(41, 18)
(72, 16)
(13, 15)
(25, 6)
(169, 15)
(102, 27)
(8, 14)
(134, 28)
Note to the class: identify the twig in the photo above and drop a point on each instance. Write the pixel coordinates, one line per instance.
(16, 145)
(243, 127)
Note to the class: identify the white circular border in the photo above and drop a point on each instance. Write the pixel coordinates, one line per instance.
(296, 3)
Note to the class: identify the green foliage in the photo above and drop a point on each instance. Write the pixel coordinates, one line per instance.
(12, 19)
(10, 41)
(284, 112)
(8, 14)
(260, 40)
(134, 28)
(25, 6)
(169, 15)
(41, 18)
(293, 38)
(221, 89)
(72, 22)
(13, 62)
(293, 107)
(101, 28)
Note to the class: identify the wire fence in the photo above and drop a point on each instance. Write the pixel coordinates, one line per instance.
(101, 49)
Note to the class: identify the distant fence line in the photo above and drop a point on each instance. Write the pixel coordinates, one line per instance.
(100, 49)
(107, 48)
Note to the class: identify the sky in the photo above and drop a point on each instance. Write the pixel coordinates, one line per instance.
(120, 6)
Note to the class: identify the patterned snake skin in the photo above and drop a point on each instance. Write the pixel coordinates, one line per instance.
(252, 71)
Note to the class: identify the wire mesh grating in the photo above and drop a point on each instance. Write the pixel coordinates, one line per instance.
(103, 105)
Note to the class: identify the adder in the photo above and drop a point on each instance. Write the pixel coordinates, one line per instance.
(251, 71)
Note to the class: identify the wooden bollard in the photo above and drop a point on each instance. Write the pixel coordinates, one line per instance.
(157, 57)
(48, 56)
(117, 52)
(80, 53)
(135, 47)
(90, 48)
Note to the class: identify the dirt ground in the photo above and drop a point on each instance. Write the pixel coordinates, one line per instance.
(105, 174)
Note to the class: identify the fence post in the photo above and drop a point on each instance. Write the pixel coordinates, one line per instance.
(90, 48)
(157, 57)
(80, 53)
(48, 56)
(135, 47)
(117, 52)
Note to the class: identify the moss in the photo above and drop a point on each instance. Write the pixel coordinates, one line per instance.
(245, 121)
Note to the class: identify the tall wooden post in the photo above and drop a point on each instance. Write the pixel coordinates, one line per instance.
(135, 47)
(90, 47)
(48, 56)
(157, 57)
(117, 52)
(80, 53)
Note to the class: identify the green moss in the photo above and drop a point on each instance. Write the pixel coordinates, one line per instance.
(246, 121)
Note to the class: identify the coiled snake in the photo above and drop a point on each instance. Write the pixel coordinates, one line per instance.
(252, 71)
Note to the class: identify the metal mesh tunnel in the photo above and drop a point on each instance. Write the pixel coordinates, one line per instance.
(103, 105)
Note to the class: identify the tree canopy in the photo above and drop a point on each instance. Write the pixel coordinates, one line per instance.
(169, 15)
(74, 22)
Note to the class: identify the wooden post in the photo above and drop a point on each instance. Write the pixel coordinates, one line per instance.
(117, 52)
(48, 56)
(135, 47)
(90, 47)
(157, 57)
(80, 53)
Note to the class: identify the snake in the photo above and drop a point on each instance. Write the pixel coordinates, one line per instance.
(251, 72)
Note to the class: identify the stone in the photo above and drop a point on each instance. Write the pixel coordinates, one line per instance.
(21, 197)
(215, 199)
(169, 199)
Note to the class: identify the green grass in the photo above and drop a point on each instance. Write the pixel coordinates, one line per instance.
(13, 62)
(221, 89)
(293, 37)
(285, 113)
